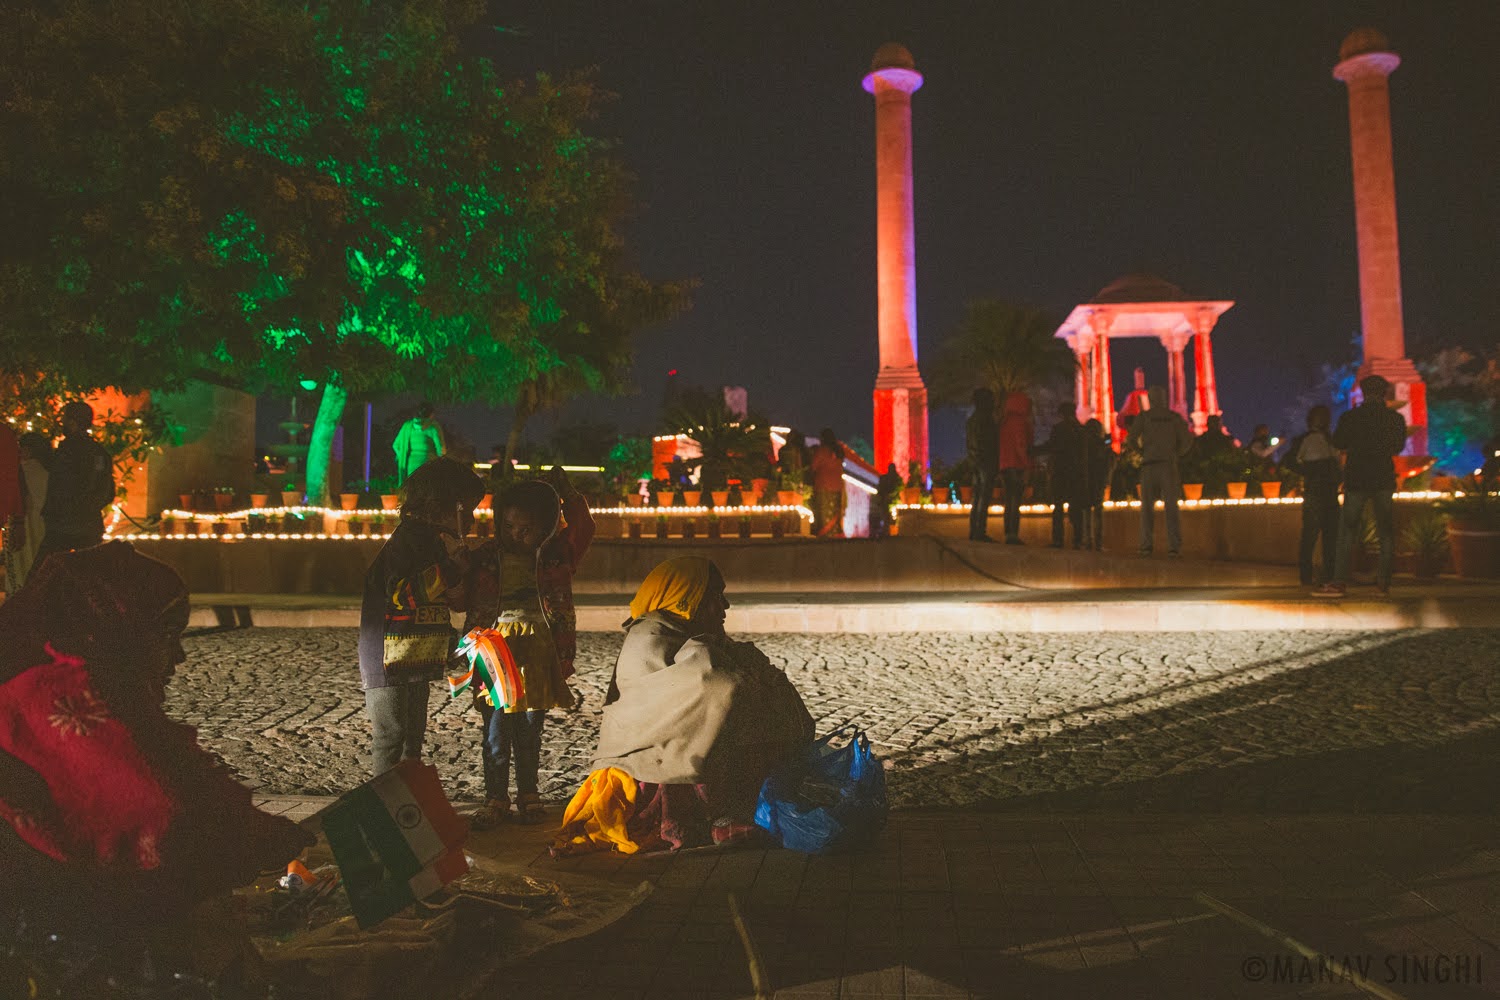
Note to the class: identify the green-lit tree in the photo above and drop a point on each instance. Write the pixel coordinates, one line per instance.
(1001, 346)
(367, 209)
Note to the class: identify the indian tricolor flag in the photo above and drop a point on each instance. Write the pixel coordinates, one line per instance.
(396, 839)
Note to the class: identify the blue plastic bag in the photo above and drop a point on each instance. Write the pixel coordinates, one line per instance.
(831, 797)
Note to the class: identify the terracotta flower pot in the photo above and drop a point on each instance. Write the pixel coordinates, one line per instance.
(789, 498)
(634, 529)
(661, 528)
(1237, 490)
(291, 498)
(634, 500)
(259, 499)
(1192, 491)
(390, 501)
(349, 501)
(966, 494)
(1270, 490)
(487, 502)
(715, 529)
(185, 501)
(940, 494)
(223, 501)
(666, 498)
(692, 498)
(721, 498)
(1476, 548)
(911, 495)
(751, 499)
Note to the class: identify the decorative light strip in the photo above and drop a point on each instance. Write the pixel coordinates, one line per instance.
(526, 468)
(154, 536)
(338, 513)
(864, 486)
(720, 511)
(1043, 508)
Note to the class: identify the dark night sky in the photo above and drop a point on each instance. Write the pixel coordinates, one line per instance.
(1057, 146)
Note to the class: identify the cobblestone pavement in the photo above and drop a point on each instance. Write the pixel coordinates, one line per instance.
(1289, 721)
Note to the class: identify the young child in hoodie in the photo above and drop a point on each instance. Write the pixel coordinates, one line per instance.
(522, 586)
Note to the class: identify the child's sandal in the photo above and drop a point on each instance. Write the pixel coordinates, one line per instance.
(529, 809)
(490, 815)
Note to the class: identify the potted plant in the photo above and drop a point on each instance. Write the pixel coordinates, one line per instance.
(260, 499)
(168, 522)
(942, 487)
(1426, 536)
(911, 493)
(348, 501)
(291, 494)
(1190, 471)
(692, 498)
(789, 489)
(223, 498)
(778, 527)
(1474, 531)
(661, 526)
(745, 527)
(715, 526)
(633, 528)
(185, 501)
(390, 501)
(688, 528)
(631, 494)
(483, 526)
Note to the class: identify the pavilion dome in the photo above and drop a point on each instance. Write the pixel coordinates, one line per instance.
(1139, 288)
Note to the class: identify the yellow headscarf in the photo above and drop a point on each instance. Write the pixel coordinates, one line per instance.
(677, 585)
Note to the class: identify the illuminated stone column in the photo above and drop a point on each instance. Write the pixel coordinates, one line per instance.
(1083, 390)
(1175, 343)
(900, 395)
(1206, 388)
(1103, 376)
(1365, 63)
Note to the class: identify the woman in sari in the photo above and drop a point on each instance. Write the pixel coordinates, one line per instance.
(114, 823)
(693, 724)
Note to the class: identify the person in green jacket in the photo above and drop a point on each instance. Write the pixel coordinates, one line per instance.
(419, 441)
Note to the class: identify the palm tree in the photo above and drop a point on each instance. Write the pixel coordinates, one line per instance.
(1003, 347)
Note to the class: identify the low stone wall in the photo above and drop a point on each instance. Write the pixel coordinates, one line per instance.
(1265, 532)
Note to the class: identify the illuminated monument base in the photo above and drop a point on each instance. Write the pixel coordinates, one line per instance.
(900, 421)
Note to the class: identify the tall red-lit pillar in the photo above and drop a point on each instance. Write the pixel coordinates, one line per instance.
(900, 395)
(1365, 63)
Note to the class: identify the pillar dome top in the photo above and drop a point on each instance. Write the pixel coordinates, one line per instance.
(1362, 41)
(1139, 288)
(892, 55)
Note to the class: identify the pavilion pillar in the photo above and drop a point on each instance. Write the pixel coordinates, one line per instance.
(1083, 387)
(1103, 378)
(1175, 344)
(1206, 397)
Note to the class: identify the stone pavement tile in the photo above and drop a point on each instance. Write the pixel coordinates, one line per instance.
(871, 972)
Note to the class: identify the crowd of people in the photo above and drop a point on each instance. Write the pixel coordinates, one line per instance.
(1355, 458)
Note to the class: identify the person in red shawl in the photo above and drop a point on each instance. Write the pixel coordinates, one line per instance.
(113, 821)
(1015, 459)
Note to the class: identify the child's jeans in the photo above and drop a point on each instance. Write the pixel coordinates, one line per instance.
(507, 735)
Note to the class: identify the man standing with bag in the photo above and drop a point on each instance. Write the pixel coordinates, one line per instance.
(1162, 437)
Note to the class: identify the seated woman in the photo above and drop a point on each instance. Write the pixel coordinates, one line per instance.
(693, 724)
(114, 823)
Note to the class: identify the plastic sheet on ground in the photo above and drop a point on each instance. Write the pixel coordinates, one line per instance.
(450, 945)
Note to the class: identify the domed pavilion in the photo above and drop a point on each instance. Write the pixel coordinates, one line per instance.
(1142, 305)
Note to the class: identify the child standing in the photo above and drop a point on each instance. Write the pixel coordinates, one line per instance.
(523, 588)
(405, 638)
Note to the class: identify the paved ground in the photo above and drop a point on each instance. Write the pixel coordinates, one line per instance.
(1238, 721)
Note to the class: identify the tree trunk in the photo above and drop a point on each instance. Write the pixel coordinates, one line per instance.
(320, 448)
